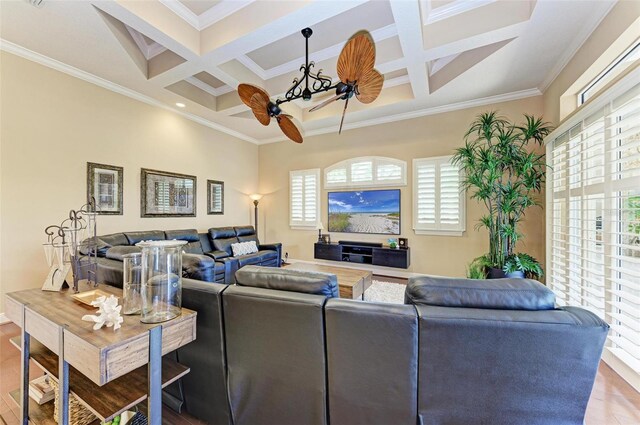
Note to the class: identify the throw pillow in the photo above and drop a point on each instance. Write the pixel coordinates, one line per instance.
(244, 248)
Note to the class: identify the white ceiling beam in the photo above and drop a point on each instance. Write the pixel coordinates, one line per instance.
(431, 15)
(177, 7)
(406, 14)
(221, 11)
(208, 18)
(473, 42)
(327, 53)
(278, 29)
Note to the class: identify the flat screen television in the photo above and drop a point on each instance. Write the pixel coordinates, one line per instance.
(365, 211)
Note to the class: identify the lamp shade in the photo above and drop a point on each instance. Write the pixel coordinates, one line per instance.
(319, 226)
(255, 196)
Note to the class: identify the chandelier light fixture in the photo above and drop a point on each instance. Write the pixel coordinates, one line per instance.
(355, 70)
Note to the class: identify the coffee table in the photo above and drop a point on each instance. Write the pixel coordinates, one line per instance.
(352, 282)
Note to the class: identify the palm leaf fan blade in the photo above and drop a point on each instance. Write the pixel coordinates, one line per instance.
(259, 108)
(246, 92)
(369, 86)
(289, 128)
(357, 57)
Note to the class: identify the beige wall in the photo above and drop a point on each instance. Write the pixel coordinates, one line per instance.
(614, 35)
(52, 124)
(429, 136)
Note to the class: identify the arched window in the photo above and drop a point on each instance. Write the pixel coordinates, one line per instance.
(366, 171)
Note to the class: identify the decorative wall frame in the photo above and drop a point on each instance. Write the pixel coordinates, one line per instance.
(215, 197)
(166, 194)
(104, 184)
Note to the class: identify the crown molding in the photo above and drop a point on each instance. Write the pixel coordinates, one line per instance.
(506, 97)
(18, 50)
(581, 37)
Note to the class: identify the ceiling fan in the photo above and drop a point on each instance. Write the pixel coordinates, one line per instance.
(357, 77)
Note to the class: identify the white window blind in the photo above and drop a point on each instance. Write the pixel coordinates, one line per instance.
(304, 195)
(438, 200)
(367, 171)
(593, 196)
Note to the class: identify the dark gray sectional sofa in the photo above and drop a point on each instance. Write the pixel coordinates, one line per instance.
(204, 258)
(280, 348)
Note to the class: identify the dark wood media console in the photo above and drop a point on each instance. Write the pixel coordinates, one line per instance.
(363, 253)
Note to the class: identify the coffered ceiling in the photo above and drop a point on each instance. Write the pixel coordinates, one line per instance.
(436, 55)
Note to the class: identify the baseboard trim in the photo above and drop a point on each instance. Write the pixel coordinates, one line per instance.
(4, 319)
(622, 369)
(377, 270)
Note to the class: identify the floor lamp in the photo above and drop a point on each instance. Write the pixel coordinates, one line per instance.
(255, 198)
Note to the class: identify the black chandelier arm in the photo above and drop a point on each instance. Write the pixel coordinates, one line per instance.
(319, 83)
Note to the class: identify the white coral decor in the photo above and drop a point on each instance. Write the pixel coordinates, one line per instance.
(108, 313)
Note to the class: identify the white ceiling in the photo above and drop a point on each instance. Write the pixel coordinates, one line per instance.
(436, 55)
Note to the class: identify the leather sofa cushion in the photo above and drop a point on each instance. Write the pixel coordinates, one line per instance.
(244, 230)
(189, 235)
(115, 239)
(197, 261)
(288, 280)
(499, 294)
(224, 244)
(101, 247)
(145, 235)
(221, 233)
(193, 248)
(117, 252)
(245, 260)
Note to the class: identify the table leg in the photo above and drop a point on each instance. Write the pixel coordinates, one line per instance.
(24, 372)
(63, 382)
(155, 376)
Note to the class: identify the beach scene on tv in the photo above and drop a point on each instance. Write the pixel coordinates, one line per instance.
(367, 211)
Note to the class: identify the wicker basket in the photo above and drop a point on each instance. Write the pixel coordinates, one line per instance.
(78, 414)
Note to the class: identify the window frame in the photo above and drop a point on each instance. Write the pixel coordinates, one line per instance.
(304, 225)
(604, 75)
(438, 229)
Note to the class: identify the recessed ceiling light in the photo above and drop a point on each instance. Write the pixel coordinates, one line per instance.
(180, 105)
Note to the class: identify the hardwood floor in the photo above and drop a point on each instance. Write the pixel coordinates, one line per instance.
(613, 401)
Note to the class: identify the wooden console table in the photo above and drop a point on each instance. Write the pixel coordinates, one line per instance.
(108, 371)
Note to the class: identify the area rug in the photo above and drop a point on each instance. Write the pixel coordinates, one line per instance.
(385, 292)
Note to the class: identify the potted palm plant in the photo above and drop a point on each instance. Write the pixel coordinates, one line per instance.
(502, 171)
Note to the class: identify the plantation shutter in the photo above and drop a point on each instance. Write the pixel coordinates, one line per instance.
(425, 190)
(594, 224)
(304, 194)
(388, 172)
(366, 171)
(362, 171)
(438, 199)
(449, 194)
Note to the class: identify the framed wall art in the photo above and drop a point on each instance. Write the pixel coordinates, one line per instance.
(165, 194)
(104, 184)
(215, 197)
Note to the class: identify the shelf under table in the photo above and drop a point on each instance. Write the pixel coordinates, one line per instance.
(106, 401)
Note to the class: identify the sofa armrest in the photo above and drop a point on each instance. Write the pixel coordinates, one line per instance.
(217, 255)
(273, 247)
(231, 266)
